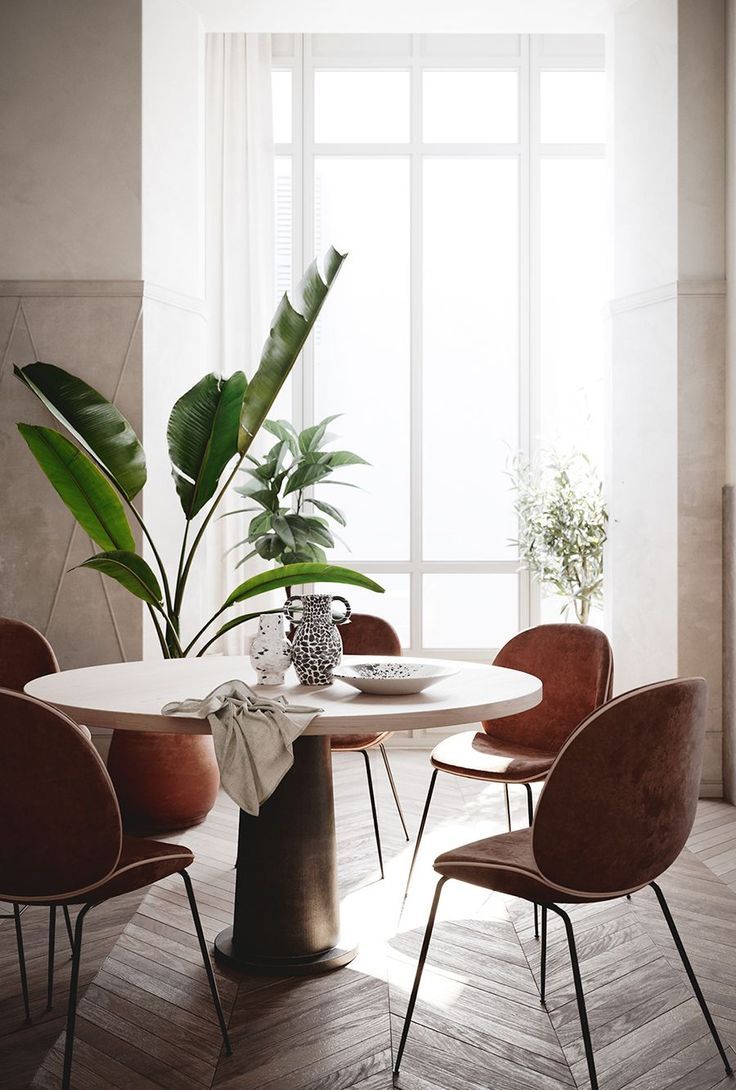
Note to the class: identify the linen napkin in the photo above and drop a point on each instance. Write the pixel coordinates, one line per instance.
(253, 738)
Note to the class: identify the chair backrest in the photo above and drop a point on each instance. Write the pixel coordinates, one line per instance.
(575, 665)
(369, 635)
(60, 820)
(25, 654)
(366, 635)
(620, 799)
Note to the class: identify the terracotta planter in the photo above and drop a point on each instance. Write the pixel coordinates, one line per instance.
(164, 782)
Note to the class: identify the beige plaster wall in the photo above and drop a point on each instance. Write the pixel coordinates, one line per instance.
(668, 375)
(70, 140)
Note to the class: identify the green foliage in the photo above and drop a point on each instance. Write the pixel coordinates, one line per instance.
(562, 527)
(210, 428)
(86, 492)
(283, 529)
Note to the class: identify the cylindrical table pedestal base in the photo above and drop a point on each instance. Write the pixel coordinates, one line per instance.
(287, 914)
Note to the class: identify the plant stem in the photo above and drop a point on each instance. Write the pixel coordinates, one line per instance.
(154, 550)
(164, 648)
(204, 628)
(181, 581)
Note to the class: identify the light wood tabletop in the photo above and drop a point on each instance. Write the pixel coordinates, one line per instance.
(130, 695)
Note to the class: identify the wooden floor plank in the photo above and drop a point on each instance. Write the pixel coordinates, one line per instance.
(146, 1018)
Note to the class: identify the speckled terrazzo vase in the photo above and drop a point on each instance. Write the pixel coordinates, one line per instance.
(270, 651)
(316, 645)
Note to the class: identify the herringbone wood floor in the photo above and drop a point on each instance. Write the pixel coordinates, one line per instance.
(146, 1019)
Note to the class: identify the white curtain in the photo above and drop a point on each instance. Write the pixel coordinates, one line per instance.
(239, 244)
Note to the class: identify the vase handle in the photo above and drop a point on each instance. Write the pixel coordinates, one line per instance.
(348, 610)
(289, 607)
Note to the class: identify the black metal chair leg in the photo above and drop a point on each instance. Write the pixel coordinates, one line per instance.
(579, 995)
(21, 961)
(529, 803)
(69, 929)
(530, 813)
(207, 963)
(390, 775)
(543, 962)
(691, 975)
(50, 959)
(508, 805)
(418, 976)
(373, 808)
(71, 1015)
(421, 831)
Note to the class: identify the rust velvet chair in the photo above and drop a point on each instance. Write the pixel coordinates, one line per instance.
(575, 664)
(62, 840)
(25, 654)
(368, 635)
(614, 814)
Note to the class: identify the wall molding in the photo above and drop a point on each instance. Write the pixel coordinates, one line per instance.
(61, 289)
(664, 293)
(102, 289)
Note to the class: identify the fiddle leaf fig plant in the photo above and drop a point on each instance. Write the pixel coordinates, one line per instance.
(210, 430)
(562, 527)
(283, 528)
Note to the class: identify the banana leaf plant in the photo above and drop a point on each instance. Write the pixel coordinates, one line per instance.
(211, 429)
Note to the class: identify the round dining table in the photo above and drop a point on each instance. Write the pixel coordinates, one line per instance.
(286, 919)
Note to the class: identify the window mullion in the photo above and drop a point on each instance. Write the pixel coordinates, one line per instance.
(415, 397)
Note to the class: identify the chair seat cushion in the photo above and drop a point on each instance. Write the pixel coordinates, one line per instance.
(353, 742)
(141, 863)
(505, 864)
(480, 756)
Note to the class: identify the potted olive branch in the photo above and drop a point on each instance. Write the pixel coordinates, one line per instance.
(211, 429)
(562, 527)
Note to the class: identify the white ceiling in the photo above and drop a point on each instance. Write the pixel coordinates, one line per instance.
(409, 16)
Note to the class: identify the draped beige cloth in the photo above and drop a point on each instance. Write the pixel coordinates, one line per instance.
(253, 738)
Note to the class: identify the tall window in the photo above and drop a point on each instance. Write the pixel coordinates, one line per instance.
(465, 176)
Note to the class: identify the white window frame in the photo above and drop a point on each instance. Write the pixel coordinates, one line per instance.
(529, 55)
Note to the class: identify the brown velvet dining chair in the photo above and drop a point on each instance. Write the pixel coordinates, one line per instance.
(615, 812)
(575, 665)
(369, 635)
(63, 841)
(25, 654)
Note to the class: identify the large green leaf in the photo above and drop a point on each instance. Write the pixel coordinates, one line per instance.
(94, 421)
(291, 326)
(130, 570)
(203, 436)
(294, 575)
(84, 489)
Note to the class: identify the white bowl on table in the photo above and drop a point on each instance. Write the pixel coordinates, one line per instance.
(392, 675)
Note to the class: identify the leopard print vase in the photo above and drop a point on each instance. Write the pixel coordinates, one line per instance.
(316, 646)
